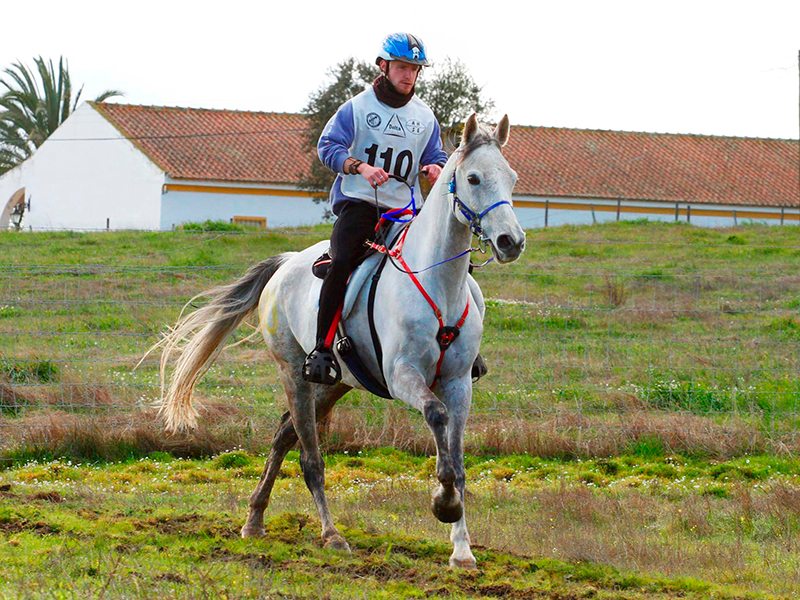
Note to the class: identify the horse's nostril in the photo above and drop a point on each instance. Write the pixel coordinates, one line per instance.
(504, 243)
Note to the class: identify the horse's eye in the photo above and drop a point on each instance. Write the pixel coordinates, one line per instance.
(473, 179)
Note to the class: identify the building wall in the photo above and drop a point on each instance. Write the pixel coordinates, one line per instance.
(195, 201)
(533, 213)
(85, 174)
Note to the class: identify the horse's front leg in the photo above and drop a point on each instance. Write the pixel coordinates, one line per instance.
(409, 385)
(457, 393)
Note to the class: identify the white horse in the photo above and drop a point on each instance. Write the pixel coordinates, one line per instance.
(473, 194)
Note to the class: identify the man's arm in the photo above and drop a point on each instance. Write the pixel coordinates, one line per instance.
(334, 144)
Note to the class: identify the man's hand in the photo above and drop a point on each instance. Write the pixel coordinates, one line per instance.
(432, 173)
(374, 175)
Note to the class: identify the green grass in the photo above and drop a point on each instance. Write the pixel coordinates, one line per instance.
(628, 527)
(600, 320)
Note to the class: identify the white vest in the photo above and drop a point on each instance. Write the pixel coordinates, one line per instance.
(391, 138)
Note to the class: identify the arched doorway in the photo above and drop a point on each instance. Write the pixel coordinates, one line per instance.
(17, 199)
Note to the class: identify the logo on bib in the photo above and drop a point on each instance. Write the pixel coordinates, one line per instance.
(395, 127)
(415, 127)
(373, 120)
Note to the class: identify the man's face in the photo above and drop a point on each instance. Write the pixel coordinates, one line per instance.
(402, 75)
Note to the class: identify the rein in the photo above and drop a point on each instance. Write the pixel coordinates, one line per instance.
(392, 215)
(446, 335)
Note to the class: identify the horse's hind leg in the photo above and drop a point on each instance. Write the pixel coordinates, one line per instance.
(285, 439)
(304, 416)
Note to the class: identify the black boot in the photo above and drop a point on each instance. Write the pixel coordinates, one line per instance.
(320, 366)
(479, 368)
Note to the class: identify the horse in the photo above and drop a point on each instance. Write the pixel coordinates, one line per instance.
(471, 196)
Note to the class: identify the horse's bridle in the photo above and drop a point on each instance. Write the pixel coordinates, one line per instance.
(473, 221)
(473, 218)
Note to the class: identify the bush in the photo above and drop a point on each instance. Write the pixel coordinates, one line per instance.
(232, 460)
(28, 372)
(212, 226)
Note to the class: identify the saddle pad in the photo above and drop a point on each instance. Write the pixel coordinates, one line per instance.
(357, 280)
(362, 273)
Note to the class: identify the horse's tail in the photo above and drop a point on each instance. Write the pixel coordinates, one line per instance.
(206, 330)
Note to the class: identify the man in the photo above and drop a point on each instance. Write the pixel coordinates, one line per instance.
(384, 130)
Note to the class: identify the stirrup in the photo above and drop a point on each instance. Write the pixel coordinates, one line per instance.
(479, 368)
(320, 366)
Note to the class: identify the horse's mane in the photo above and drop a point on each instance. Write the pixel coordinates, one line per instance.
(482, 137)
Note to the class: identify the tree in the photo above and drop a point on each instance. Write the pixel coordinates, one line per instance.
(450, 91)
(453, 95)
(31, 109)
(346, 80)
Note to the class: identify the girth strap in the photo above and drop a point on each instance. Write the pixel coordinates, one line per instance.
(376, 342)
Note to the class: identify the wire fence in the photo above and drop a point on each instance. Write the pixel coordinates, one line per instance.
(585, 335)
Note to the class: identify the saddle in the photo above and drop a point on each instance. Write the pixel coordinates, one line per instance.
(370, 265)
(383, 231)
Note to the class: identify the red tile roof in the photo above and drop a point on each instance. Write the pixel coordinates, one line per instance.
(216, 145)
(579, 163)
(254, 147)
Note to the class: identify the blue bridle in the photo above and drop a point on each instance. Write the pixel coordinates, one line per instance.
(471, 216)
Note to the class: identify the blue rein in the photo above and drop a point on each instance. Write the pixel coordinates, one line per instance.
(473, 218)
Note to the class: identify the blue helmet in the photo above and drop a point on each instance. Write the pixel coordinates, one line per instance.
(403, 47)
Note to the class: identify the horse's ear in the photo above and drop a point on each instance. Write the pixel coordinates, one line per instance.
(502, 131)
(470, 129)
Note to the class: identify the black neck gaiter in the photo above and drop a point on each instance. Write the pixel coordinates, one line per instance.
(387, 93)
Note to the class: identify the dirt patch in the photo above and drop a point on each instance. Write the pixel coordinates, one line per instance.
(383, 572)
(53, 497)
(406, 551)
(192, 524)
(171, 577)
(499, 590)
(37, 527)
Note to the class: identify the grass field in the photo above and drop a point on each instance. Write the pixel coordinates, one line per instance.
(628, 527)
(597, 337)
(635, 437)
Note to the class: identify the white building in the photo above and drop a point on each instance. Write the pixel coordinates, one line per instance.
(139, 167)
(143, 167)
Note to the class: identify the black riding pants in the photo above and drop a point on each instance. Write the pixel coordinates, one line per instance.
(355, 224)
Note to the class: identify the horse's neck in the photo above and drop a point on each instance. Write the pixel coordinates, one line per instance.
(435, 236)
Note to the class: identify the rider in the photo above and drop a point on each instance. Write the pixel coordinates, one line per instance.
(384, 130)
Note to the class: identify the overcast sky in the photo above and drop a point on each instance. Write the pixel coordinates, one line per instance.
(697, 66)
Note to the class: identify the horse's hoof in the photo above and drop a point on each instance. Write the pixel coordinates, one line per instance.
(446, 505)
(337, 542)
(463, 563)
(253, 532)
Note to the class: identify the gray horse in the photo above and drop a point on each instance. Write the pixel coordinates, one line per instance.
(472, 196)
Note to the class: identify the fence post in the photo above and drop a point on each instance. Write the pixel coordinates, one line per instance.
(735, 220)
(619, 205)
(594, 218)
(546, 212)
(783, 211)
(688, 213)
(677, 211)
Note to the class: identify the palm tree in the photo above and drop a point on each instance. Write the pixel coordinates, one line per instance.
(31, 110)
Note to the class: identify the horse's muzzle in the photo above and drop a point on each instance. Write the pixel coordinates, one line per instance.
(508, 246)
